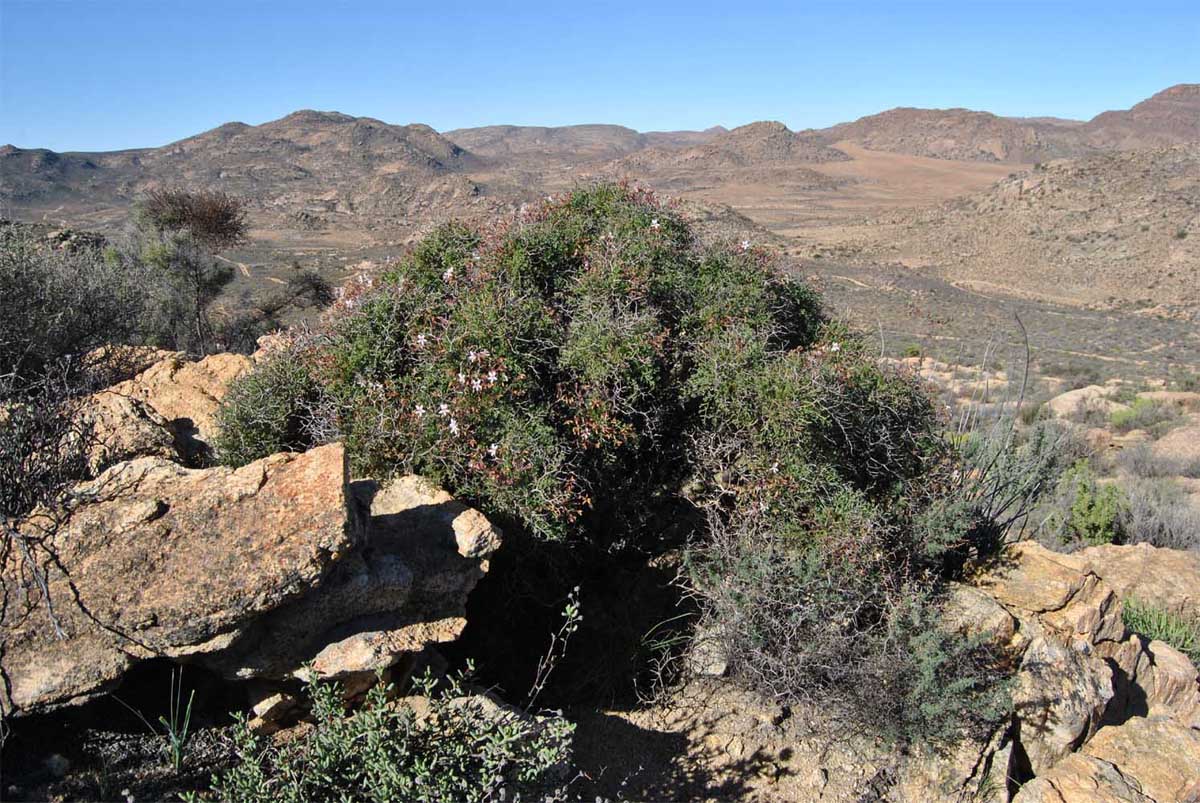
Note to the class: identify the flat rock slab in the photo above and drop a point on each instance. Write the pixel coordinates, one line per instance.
(158, 559)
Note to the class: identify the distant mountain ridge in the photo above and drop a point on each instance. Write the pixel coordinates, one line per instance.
(316, 170)
(1170, 117)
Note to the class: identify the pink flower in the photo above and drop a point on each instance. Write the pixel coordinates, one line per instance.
(476, 385)
(422, 340)
(494, 449)
(419, 411)
(492, 377)
(448, 275)
(453, 426)
(654, 224)
(443, 409)
(745, 245)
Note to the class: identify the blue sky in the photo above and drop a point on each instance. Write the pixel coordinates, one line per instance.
(106, 74)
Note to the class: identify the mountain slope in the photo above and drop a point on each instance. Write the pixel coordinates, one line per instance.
(958, 134)
(1114, 227)
(295, 169)
(1167, 118)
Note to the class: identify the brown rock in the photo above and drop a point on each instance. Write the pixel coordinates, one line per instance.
(1167, 578)
(119, 428)
(1082, 779)
(1162, 755)
(157, 559)
(1170, 683)
(1060, 697)
(187, 395)
(254, 572)
(1031, 578)
(969, 610)
(1066, 405)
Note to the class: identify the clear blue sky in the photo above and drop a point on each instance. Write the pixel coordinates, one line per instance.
(106, 74)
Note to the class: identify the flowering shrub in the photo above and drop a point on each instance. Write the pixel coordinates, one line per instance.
(549, 369)
(570, 370)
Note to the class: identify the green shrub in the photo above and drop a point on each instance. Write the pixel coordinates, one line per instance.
(1158, 624)
(571, 372)
(552, 369)
(459, 749)
(268, 410)
(1090, 513)
(912, 350)
(1144, 414)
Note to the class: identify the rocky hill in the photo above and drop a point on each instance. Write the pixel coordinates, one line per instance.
(1167, 118)
(506, 145)
(1170, 117)
(765, 142)
(1112, 226)
(297, 170)
(959, 134)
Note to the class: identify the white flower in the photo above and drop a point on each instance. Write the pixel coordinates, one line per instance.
(448, 275)
(494, 449)
(835, 346)
(462, 378)
(419, 411)
(775, 468)
(472, 356)
(443, 409)
(422, 339)
(654, 224)
(492, 377)
(476, 385)
(453, 426)
(745, 245)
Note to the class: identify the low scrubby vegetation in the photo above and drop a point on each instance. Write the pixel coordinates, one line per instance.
(451, 746)
(573, 371)
(1147, 414)
(1159, 624)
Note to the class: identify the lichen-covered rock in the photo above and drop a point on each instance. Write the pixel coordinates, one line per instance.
(187, 394)
(1047, 591)
(1166, 578)
(117, 428)
(1161, 754)
(1082, 779)
(969, 610)
(1060, 698)
(252, 572)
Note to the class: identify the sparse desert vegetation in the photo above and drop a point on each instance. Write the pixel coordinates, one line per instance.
(522, 463)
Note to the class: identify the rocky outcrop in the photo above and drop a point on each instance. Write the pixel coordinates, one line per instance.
(1092, 397)
(187, 394)
(1165, 578)
(1163, 755)
(1101, 714)
(252, 572)
(117, 428)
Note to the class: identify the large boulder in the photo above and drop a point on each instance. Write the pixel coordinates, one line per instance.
(253, 572)
(1166, 578)
(187, 394)
(1048, 591)
(1092, 397)
(117, 428)
(1060, 698)
(1162, 755)
(1082, 779)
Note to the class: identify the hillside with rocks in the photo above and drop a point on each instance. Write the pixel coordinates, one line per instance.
(1115, 228)
(959, 134)
(1170, 117)
(306, 170)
